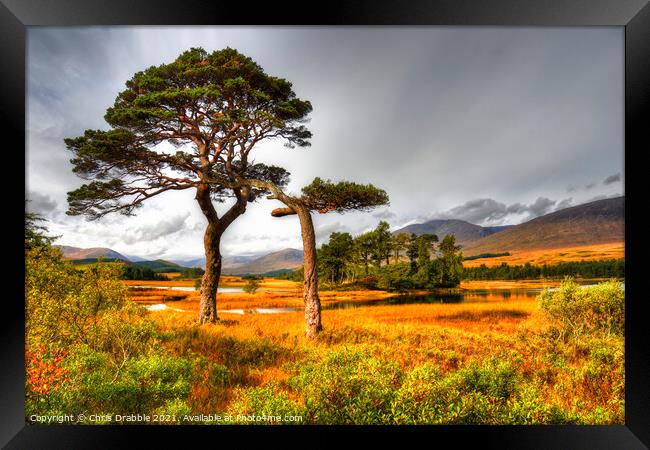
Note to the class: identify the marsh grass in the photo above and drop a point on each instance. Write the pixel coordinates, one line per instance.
(467, 363)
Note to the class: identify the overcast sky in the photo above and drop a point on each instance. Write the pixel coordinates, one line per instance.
(486, 124)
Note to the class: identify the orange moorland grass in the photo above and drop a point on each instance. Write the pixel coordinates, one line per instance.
(258, 350)
(614, 250)
(171, 274)
(414, 329)
(449, 335)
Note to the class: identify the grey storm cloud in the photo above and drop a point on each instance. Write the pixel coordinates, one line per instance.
(590, 186)
(157, 230)
(564, 204)
(323, 232)
(39, 203)
(541, 206)
(386, 214)
(487, 210)
(479, 210)
(612, 178)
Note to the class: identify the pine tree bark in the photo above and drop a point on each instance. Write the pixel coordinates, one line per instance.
(211, 243)
(210, 281)
(310, 283)
(310, 286)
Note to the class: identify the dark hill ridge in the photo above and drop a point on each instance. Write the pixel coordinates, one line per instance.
(465, 232)
(599, 222)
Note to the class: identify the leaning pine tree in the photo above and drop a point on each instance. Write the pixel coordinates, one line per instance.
(322, 196)
(212, 108)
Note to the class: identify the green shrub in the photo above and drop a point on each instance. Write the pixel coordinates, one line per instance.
(173, 409)
(348, 387)
(140, 385)
(255, 405)
(63, 303)
(530, 408)
(497, 379)
(219, 375)
(418, 400)
(575, 311)
(476, 394)
(251, 286)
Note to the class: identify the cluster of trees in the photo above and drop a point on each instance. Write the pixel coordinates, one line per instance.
(392, 261)
(610, 268)
(141, 273)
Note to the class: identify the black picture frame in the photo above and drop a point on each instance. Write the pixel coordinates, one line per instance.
(634, 15)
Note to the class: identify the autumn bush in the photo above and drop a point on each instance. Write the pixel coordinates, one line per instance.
(575, 310)
(89, 350)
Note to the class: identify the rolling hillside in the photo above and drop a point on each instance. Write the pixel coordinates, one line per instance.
(82, 256)
(160, 266)
(76, 253)
(465, 232)
(227, 261)
(598, 222)
(288, 258)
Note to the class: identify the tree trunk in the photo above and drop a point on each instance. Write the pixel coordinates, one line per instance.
(211, 242)
(310, 286)
(210, 282)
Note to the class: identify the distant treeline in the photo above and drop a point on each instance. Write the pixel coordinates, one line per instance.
(141, 273)
(485, 255)
(145, 270)
(609, 268)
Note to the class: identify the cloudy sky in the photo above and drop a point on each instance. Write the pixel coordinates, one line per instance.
(486, 124)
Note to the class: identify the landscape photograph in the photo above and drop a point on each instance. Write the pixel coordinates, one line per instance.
(325, 226)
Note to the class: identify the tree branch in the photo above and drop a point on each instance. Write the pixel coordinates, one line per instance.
(281, 212)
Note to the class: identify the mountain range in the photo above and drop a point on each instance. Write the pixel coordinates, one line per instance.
(283, 260)
(464, 232)
(601, 221)
(598, 222)
(76, 253)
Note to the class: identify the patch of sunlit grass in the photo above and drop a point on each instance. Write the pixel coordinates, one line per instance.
(614, 250)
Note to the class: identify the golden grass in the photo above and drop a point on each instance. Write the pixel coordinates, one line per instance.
(614, 250)
(411, 335)
(451, 336)
(172, 274)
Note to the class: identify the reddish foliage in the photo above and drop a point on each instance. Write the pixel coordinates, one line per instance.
(44, 369)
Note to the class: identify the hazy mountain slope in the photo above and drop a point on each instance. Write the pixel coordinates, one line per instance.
(464, 232)
(88, 253)
(602, 221)
(288, 258)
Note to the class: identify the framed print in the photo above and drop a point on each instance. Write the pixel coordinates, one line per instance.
(386, 220)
